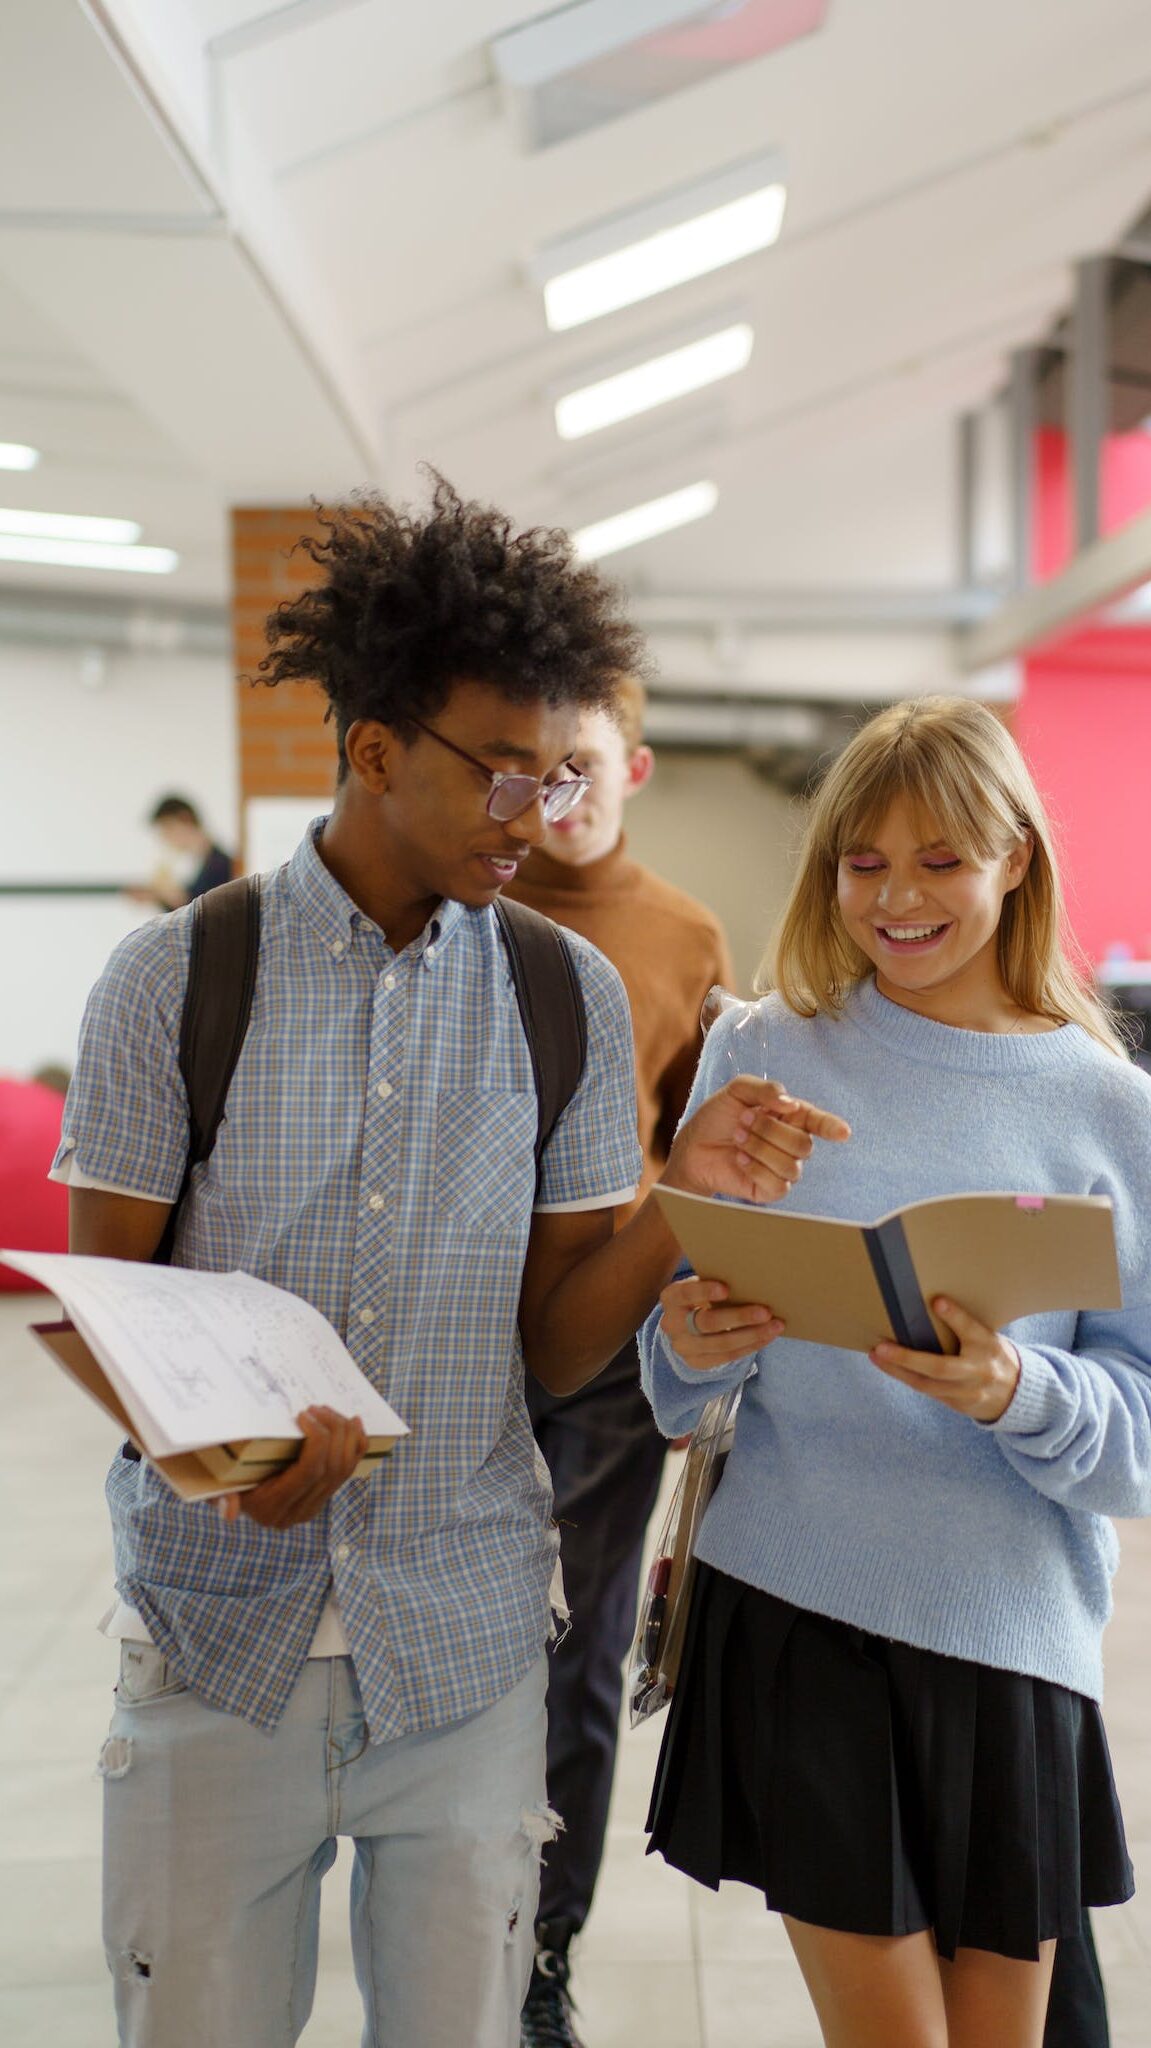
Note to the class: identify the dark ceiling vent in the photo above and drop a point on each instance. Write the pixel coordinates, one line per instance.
(596, 60)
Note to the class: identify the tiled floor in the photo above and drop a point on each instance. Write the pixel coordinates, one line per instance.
(660, 1962)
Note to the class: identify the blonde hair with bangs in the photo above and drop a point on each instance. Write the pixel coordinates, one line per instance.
(953, 763)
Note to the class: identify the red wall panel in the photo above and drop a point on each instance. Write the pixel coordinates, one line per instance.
(1084, 721)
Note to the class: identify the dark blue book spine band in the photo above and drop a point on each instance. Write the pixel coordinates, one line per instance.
(891, 1264)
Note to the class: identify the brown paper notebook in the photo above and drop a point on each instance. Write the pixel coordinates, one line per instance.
(198, 1474)
(849, 1284)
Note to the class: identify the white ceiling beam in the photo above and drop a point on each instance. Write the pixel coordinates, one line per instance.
(276, 22)
(815, 610)
(269, 279)
(1096, 577)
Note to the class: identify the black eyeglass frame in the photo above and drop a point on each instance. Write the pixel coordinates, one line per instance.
(558, 798)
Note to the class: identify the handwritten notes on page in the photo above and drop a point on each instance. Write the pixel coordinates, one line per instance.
(207, 1358)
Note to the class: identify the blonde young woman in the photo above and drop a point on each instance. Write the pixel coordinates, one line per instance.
(888, 1715)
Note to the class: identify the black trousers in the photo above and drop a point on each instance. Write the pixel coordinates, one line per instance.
(605, 1456)
(1077, 2009)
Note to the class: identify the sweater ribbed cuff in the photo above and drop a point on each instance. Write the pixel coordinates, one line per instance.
(1034, 1406)
(714, 1377)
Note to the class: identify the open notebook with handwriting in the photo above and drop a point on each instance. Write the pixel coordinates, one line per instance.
(206, 1372)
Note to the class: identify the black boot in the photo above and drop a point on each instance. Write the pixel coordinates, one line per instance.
(548, 2018)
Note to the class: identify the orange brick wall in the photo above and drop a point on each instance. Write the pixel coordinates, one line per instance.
(285, 748)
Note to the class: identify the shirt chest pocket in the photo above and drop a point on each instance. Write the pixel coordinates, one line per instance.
(485, 1158)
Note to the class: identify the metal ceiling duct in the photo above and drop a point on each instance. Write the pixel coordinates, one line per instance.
(35, 619)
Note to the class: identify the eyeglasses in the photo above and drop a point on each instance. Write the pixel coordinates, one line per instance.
(511, 795)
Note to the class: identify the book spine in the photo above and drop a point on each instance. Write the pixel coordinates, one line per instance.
(891, 1263)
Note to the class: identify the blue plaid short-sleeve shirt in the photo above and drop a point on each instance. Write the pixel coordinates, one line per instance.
(376, 1157)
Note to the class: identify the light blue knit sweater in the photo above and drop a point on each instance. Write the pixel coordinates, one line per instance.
(851, 1495)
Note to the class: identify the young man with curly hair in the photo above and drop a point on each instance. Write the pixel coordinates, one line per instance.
(337, 1656)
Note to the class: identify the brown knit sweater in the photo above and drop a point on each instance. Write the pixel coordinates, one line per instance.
(669, 951)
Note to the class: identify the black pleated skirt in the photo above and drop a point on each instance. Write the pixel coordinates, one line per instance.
(865, 1785)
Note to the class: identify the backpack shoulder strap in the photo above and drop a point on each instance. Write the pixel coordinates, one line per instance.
(217, 1005)
(218, 1002)
(551, 1007)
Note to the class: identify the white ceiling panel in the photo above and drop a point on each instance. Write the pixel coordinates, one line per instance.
(74, 138)
(368, 69)
(366, 282)
(939, 267)
(854, 135)
(202, 348)
(818, 533)
(36, 357)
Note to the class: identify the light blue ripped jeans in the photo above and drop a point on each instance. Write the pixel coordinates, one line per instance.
(216, 1838)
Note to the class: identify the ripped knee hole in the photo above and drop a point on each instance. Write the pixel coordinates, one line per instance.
(540, 1825)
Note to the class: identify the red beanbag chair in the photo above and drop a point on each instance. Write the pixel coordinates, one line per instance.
(33, 1209)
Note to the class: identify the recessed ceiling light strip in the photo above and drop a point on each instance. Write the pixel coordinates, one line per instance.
(684, 233)
(644, 385)
(79, 554)
(671, 257)
(645, 522)
(68, 526)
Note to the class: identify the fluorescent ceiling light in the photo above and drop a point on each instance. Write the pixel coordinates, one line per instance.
(68, 526)
(644, 522)
(671, 257)
(16, 455)
(684, 234)
(81, 554)
(672, 375)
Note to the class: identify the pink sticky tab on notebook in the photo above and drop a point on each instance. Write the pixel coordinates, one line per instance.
(1029, 1202)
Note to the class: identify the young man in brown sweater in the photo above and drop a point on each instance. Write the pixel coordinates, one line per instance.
(602, 1447)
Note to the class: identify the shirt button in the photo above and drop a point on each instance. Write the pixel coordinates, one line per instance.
(337, 948)
(389, 981)
(383, 1090)
(375, 1201)
(342, 1553)
(367, 1315)
(430, 953)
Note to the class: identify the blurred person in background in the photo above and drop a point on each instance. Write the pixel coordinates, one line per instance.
(603, 1449)
(193, 862)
